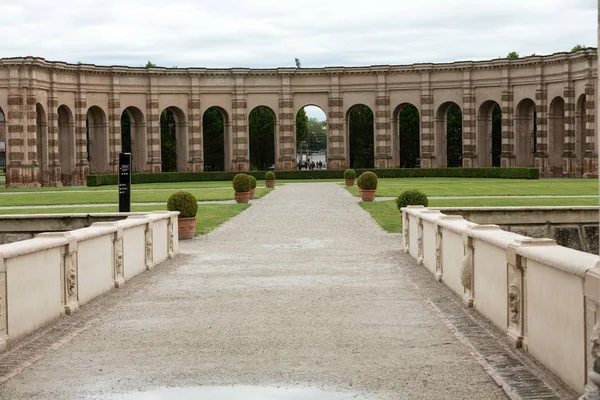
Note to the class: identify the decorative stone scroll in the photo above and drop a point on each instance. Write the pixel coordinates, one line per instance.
(439, 274)
(406, 232)
(148, 245)
(420, 254)
(119, 267)
(171, 226)
(467, 271)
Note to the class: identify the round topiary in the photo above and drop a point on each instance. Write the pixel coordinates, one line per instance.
(412, 198)
(349, 174)
(252, 182)
(270, 176)
(184, 202)
(367, 181)
(242, 183)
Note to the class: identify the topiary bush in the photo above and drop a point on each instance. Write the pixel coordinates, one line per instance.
(270, 176)
(242, 183)
(367, 181)
(349, 174)
(184, 202)
(412, 198)
(252, 182)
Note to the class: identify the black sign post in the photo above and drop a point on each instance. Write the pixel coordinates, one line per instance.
(124, 182)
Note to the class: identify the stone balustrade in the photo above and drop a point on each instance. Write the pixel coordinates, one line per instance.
(544, 296)
(54, 273)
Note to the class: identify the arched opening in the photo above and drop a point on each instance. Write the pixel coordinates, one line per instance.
(311, 138)
(556, 120)
(41, 139)
(214, 123)
(97, 140)
(66, 144)
(360, 134)
(173, 135)
(526, 133)
(2, 148)
(489, 134)
(133, 137)
(449, 135)
(407, 122)
(262, 138)
(580, 129)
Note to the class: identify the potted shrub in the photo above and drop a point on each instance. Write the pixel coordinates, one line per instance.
(412, 198)
(187, 205)
(270, 179)
(241, 186)
(349, 176)
(252, 186)
(367, 184)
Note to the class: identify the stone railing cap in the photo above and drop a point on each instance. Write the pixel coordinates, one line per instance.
(571, 261)
(29, 246)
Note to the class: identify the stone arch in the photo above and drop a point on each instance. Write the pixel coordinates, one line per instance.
(407, 136)
(173, 139)
(66, 144)
(97, 140)
(556, 133)
(216, 126)
(526, 140)
(41, 140)
(133, 137)
(448, 135)
(361, 140)
(261, 133)
(314, 144)
(489, 134)
(577, 149)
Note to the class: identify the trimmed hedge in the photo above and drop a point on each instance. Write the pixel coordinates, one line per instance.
(367, 181)
(412, 198)
(508, 173)
(349, 174)
(270, 176)
(185, 203)
(242, 183)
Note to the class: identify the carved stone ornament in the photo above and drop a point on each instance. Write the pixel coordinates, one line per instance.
(171, 238)
(148, 247)
(514, 304)
(595, 340)
(466, 269)
(438, 251)
(420, 244)
(71, 281)
(405, 233)
(119, 258)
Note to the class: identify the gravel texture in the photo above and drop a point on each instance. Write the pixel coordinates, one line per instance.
(302, 290)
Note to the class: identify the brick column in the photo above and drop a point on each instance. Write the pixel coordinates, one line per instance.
(590, 156)
(54, 178)
(469, 123)
(508, 158)
(338, 155)
(153, 154)
(285, 142)
(195, 149)
(114, 131)
(82, 165)
(541, 153)
(570, 168)
(240, 136)
(428, 144)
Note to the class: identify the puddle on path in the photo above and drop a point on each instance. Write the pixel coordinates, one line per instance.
(237, 393)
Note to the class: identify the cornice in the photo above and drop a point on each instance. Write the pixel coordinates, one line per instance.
(418, 68)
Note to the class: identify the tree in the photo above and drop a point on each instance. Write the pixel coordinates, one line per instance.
(150, 64)
(168, 144)
(513, 55)
(454, 137)
(578, 47)
(262, 138)
(408, 120)
(317, 139)
(213, 138)
(360, 119)
(301, 127)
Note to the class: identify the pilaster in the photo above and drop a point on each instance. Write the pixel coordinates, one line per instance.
(469, 123)
(541, 144)
(428, 144)
(114, 125)
(590, 156)
(82, 165)
(383, 138)
(153, 147)
(240, 149)
(570, 163)
(286, 140)
(338, 152)
(195, 147)
(508, 158)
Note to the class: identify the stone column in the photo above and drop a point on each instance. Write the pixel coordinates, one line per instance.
(82, 165)
(469, 123)
(383, 138)
(590, 156)
(570, 168)
(428, 144)
(286, 140)
(114, 126)
(196, 151)
(153, 147)
(338, 148)
(240, 140)
(541, 148)
(507, 157)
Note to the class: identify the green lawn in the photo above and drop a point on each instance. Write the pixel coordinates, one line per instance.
(137, 196)
(392, 187)
(209, 216)
(152, 186)
(386, 214)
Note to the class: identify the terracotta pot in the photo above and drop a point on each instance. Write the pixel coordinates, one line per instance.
(252, 190)
(270, 183)
(242, 197)
(367, 195)
(186, 228)
(349, 182)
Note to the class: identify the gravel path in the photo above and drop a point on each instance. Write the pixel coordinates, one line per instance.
(302, 290)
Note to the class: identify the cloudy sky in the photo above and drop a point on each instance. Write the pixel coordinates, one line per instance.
(271, 33)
